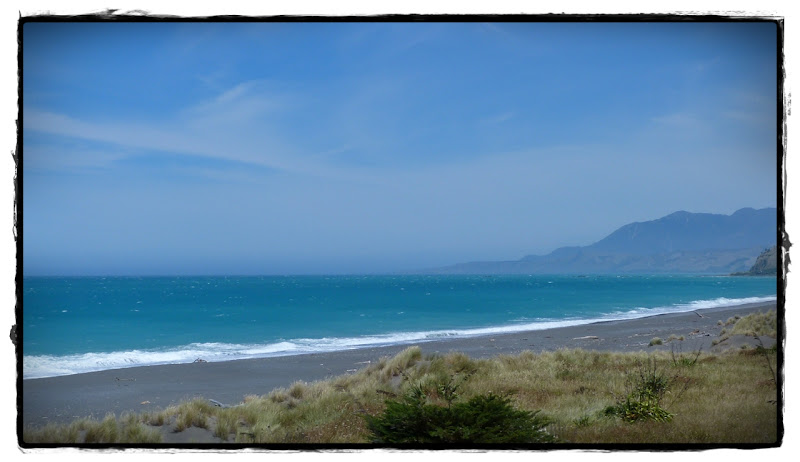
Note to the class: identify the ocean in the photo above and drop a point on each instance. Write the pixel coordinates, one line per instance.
(80, 324)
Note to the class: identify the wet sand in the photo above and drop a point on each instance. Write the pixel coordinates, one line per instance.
(149, 388)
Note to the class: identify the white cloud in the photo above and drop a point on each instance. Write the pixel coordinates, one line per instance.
(246, 103)
(230, 127)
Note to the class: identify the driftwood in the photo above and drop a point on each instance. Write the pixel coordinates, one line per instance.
(223, 406)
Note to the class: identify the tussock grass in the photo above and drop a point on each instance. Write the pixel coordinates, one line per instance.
(722, 398)
(400, 362)
(129, 429)
(757, 324)
(752, 325)
(297, 390)
(195, 413)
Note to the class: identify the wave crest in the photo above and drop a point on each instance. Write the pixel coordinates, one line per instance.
(49, 366)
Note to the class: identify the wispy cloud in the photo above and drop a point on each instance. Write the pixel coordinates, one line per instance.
(48, 157)
(744, 116)
(495, 28)
(243, 105)
(234, 126)
(394, 38)
(756, 109)
(497, 118)
(509, 36)
(700, 67)
(678, 119)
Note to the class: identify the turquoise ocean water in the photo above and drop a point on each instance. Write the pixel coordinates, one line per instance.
(81, 324)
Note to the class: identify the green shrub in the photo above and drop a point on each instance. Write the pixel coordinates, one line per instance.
(583, 421)
(643, 401)
(656, 341)
(483, 419)
(632, 409)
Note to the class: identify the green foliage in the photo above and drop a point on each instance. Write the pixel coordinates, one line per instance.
(679, 359)
(483, 419)
(647, 387)
(632, 409)
(583, 421)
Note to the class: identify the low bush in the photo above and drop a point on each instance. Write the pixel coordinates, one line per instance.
(647, 387)
(483, 419)
(632, 409)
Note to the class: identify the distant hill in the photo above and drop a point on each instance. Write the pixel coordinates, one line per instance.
(681, 242)
(766, 264)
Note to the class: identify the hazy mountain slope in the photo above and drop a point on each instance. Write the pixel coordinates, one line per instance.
(681, 242)
(766, 264)
(746, 228)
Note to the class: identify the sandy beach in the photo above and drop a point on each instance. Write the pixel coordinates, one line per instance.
(139, 389)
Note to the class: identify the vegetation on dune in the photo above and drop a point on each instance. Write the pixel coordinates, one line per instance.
(128, 429)
(757, 324)
(753, 325)
(643, 399)
(484, 419)
(566, 396)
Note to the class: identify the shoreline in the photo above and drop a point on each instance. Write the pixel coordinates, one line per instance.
(61, 399)
(301, 347)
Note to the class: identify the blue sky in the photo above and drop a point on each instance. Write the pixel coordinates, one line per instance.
(271, 148)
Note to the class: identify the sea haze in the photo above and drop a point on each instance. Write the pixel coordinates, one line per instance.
(82, 324)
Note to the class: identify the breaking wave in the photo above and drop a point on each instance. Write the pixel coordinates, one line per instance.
(40, 366)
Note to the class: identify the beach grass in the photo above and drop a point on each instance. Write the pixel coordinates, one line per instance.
(756, 325)
(127, 429)
(720, 398)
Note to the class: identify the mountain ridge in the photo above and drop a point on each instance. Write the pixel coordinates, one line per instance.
(765, 265)
(681, 242)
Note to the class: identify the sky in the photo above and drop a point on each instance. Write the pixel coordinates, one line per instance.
(308, 148)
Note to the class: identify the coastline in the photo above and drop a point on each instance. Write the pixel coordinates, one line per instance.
(149, 388)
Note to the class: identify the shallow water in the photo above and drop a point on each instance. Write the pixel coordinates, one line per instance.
(73, 325)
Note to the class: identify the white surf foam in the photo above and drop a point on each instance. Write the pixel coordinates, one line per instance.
(40, 366)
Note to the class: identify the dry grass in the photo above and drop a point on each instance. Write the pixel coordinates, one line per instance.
(757, 324)
(752, 325)
(129, 429)
(721, 398)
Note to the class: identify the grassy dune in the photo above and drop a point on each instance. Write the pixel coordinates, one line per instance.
(721, 398)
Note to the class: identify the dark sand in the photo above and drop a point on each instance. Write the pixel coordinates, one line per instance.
(138, 389)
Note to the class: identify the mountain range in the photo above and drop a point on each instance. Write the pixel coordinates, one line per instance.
(682, 242)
